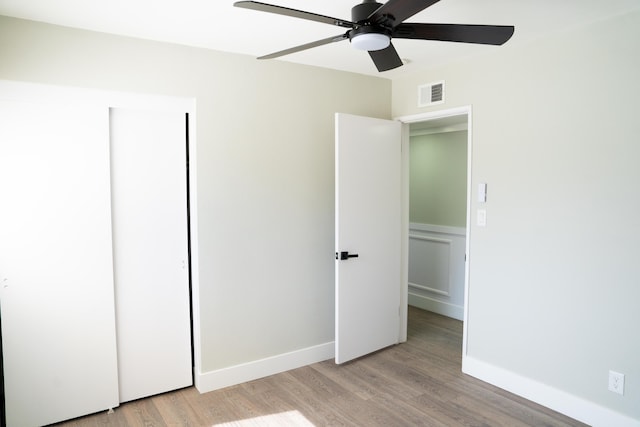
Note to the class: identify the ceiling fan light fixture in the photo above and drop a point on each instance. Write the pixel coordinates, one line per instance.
(374, 24)
(370, 41)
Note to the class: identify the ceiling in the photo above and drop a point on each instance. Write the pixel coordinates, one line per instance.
(216, 24)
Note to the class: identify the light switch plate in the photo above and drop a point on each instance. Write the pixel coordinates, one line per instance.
(482, 192)
(482, 217)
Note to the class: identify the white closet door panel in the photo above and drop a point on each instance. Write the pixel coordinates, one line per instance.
(56, 292)
(149, 202)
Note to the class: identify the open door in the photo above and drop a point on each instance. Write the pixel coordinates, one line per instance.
(368, 235)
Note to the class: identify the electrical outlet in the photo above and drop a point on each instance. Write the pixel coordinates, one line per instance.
(482, 218)
(616, 382)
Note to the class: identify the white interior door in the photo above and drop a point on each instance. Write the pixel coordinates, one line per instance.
(56, 281)
(149, 202)
(368, 223)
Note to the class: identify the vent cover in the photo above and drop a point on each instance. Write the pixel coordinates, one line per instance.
(431, 94)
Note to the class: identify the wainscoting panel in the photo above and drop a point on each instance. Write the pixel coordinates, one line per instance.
(430, 259)
(436, 268)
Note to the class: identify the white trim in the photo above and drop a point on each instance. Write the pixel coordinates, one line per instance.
(439, 114)
(442, 129)
(442, 229)
(404, 234)
(428, 289)
(429, 238)
(225, 377)
(436, 306)
(415, 118)
(465, 325)
(44, 93)
(543, 394)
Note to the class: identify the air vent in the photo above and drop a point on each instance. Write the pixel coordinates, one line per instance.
(431, 94)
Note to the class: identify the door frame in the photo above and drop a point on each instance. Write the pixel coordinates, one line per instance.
(404, 284)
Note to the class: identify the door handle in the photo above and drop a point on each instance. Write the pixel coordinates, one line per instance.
(345, 255)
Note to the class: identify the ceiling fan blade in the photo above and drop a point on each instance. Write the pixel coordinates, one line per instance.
(481, 34)
(305, 46)
(386, 59)
(399, 10)
(280, 10)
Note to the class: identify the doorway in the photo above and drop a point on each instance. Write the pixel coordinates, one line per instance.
(437, 214)
(442, 289)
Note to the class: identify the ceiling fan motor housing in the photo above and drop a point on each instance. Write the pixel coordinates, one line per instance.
(369, 29)
(360, 12)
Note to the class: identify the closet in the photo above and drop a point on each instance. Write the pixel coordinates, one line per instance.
(94, 267)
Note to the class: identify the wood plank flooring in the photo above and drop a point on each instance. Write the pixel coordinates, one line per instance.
(418, 383)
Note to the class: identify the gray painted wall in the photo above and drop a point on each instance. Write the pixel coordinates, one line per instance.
(265, 172)
(438, 179)
(554, 288)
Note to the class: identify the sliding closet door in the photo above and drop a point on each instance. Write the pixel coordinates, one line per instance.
(149, 202)
(56, 281)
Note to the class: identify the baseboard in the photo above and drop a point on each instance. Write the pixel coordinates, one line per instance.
(440, 307)
(545, 395)
(220, 378)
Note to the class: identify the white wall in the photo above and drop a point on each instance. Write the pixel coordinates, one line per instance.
(554, 288)
(265, 175)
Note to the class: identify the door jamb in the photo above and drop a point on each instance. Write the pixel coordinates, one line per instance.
(404, 284)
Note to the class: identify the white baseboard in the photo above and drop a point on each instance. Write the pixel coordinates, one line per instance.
(553, 398)
(220, 378)
(440, 307)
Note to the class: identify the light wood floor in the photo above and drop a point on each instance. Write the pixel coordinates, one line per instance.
(418, 383)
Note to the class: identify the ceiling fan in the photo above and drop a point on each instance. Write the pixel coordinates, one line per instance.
(373, 25)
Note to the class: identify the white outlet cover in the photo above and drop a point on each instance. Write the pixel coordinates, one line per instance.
(616, 382)
(482, 217)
